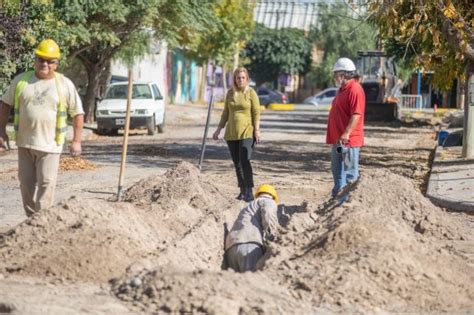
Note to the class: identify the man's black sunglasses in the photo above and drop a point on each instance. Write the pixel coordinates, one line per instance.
(50, 62)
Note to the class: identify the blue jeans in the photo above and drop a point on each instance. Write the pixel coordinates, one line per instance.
(344, 171)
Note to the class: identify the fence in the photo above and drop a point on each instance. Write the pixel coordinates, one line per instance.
(412, 102)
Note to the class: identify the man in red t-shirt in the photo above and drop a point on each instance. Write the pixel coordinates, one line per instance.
(345, 129)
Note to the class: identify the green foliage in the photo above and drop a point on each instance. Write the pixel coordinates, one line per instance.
(225, 31)
(236, 19)
(138, 45)
(95, 31)
(22, 28)
(98, 29)
(339, 35)
(436, 35)
(273, 52)
(403, 58)
(10, 48)
(184, 22)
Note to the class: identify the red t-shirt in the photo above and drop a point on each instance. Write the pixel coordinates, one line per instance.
(350, 100)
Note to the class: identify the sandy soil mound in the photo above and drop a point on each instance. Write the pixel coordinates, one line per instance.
(184, 200)
(163, 249)
(95, 240)
(208, 292)
(180, 184)
(80, 240)
(377, 252)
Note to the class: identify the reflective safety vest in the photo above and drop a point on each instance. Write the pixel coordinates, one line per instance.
(61, 116)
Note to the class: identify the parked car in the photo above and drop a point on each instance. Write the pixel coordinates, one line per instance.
(324, 97)
(268, 96)
(147, 108)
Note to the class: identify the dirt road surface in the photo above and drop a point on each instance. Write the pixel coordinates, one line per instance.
(388, 249)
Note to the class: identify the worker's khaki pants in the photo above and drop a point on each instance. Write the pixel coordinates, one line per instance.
(244, 257)
(37, 172)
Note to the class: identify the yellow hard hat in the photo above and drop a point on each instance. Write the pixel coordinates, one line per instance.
(48, 49)
(269, 189)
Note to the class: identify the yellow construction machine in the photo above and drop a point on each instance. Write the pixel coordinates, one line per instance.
(382, 88)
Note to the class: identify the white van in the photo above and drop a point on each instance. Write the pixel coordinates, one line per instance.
(147, 108)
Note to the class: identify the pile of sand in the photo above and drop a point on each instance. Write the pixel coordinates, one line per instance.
(210, 292)
(181, 184)
(96, 240)
(163, 247)
(377, 252)
(80, 240)
(184, 200)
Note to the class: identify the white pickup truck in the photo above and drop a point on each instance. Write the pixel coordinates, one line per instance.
(147, 108)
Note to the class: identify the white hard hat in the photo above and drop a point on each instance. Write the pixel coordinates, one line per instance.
(344, 64)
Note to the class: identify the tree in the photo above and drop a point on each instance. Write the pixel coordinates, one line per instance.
(95, 31)
(23, 27)
(273, 52)
(221, 42)
(339, 34)
(11, 49)
(440, 36)
(236, 19)
(101, 30)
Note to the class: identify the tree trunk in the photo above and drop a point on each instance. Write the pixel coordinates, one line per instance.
(460, 94)
(93, 73)
(236, 59)
(105, 78)
(468, 136)
(445, 99)
(202, 88)
(224, 78)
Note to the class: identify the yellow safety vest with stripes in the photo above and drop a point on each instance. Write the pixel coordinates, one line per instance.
(61, 116)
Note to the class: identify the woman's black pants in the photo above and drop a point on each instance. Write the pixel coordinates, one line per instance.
(241, 153)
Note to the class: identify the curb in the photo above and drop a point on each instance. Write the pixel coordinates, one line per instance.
(282, 107)
(432, 188)
(220, 105)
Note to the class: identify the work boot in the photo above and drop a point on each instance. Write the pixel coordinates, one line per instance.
(248, 194)
(241, 196)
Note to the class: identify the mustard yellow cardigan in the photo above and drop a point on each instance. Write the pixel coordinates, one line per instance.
(241, 112)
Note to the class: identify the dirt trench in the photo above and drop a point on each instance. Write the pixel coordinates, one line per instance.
(382, 251)
(161, 250)
(169, 220)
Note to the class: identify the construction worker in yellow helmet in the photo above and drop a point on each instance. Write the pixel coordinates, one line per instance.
(42, 100)
(48, 49)
(256, 223)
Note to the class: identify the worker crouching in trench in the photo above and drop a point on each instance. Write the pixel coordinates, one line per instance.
(256, 223)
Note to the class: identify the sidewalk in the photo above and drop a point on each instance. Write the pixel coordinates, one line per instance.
(451, 183)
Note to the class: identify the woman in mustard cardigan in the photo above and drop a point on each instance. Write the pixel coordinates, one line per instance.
(242, 116)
